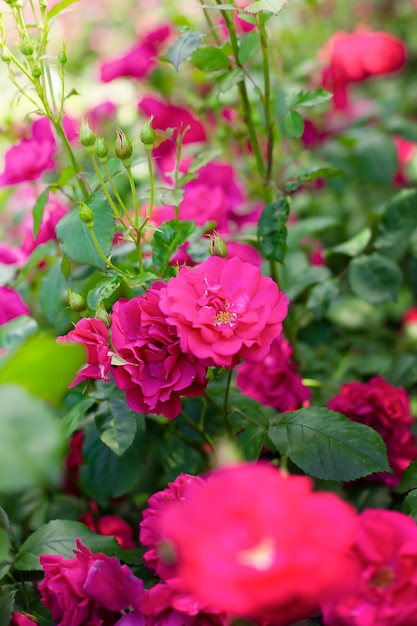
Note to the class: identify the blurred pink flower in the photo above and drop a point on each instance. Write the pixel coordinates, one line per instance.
(406, 151)
(91, 588)
(155, 372)
(150, 534)
(383, 591)
(385, 408)
(140, 60)
(22, 619)
(30, 158)
(93, 334)
(256, 543)
(353, 57)
(224, 310)
(274, 381)
(12, 305)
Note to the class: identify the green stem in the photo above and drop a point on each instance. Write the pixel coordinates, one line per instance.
(122, 205)
(107, 261)
(152, 184)
(226, 415)
(210, 24)
(134, 196)
(199, 430)
(267, 107)
(115, 210)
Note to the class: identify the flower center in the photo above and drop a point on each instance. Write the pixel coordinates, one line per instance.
(261, 556)
(383, 578)
(224, 317)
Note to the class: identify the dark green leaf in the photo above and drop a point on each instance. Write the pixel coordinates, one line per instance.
(398, 222)
(117, 426)
(316, 173)
(74, 418)
(104, 290)
(374, 278)
(328, 445)
(409, 479)
(375, 158)
(403, 370)
(209, 59)
(410, 504)
(169, 236)
(309, 226)
(6, 607)
(183, 47)
(321, 296)
(304, 279)
(52, 291)
(294, 124)
(5, 553)
(38, 211)
(272, 230)
(59, 537)
(75, 236)
(309, 98)
(31, 441)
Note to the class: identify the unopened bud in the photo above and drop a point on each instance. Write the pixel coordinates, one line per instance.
(62, 57)
(148, 135)
(76, 301)
(36, 72)
(86, 136)
(102, 315)
(123, 147)
(26, 48)
(86, 215)
(5, 56)
(101, 149)
(217, 247)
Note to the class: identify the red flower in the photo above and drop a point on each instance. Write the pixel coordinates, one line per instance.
(255, 543)
(274, 381)
(156, 372)
(93, 334)
(385, 408)
(88, 589)
(224, 310)
(384, 589)
(20, 619)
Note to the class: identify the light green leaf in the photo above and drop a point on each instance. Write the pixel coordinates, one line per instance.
(353, 246)
(308, 98)
(248, 46)
(273, 6)
(209, 59)
(294, 124)
(60, 6)
(328, 445)
(226, 81)
(38, 211)
(183, 47)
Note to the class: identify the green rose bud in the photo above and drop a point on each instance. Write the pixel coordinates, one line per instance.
(102, 315)
(101, 149)
(5, 56)
(86, 136)
(148, 135)
(86, 215)
(76, 301)
(26, 48)
(36, 72)
(62, 57)
(123, 147)
(217, 247)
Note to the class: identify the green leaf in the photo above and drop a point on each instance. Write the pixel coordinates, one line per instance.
(117, 427)
(73, 419)
(6, 607)
(309, 226)
(409, 479)
(166, 240)
(75, 236)
(314, 174)
(209, 59)
(146, 278)
(273, 6)
(304, 279)
(44, 367)
(249, 45)
(183, 47)
(272, 230)
(106, 476)
(59, 537)
(60, 6)
(203, 158)
(403, 370)
(38, 211)
(5, 553)
(223, 7)
(16, 331)
(321, 296)
(328, 445)
(294, 124)
(374, 278)
(226, 81)
(374, 156)
(353, 246)
(410, 504)
(52, 291)
(31, 441)
(104, 290)
(308, 98)
(398, 222)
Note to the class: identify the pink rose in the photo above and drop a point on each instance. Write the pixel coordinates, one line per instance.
(224, 310)
(12, 305)
(88, 589)
(93, 334)
(22, 619)
(154, 372)
(31, 157)
(256, 543)
(110, 525)
(150, 535)
(385, 408)
(274, 381)
(383, 591)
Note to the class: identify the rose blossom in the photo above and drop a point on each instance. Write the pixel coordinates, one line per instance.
(21, 619)
(150, 535)
(30, 157)
(12, 305)
(88, 589)
(257, 543)
(385, 408)
(93, 334)
(383, 591)
(274, 381)
(154, 371)
(224, 310)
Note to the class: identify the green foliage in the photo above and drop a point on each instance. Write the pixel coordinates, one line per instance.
(183, 47)
(374, 278)
(167, 239)
(272, 231)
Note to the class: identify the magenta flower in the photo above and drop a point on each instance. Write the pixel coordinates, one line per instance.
(12, 305)
(93, 334)
(21, 619)
(150, 534)
(91, 588)
(154, 372)
(385, 408)
(274, 381)
(383, 591)
(224, 310)
(31, 157)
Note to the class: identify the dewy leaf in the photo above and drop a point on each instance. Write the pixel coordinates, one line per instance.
(273, 6)
(183, 47)
(309, 98)
(374, 278)
(169, 236)
(59, 537)
(328, 445)
(75, 236)
(272, 230)
(294, 124)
